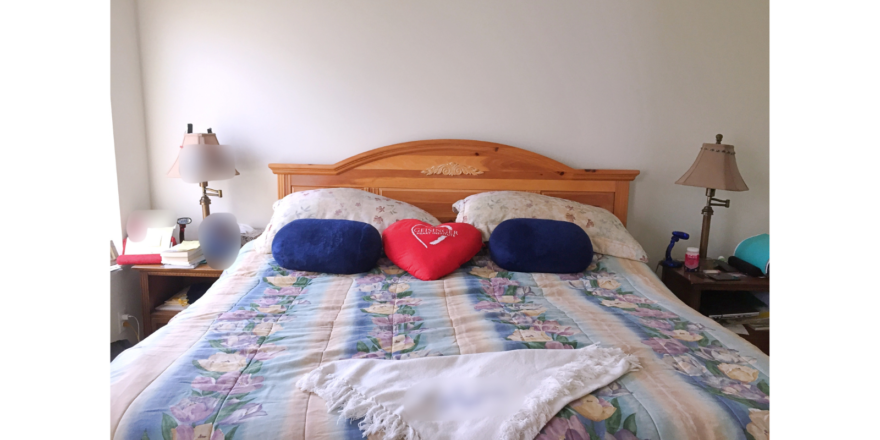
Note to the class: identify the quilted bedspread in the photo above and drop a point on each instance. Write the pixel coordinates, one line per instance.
(225, 368)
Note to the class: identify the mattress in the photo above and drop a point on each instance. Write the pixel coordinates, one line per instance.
(225, 368)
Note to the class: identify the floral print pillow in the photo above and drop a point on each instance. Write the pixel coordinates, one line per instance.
(339, 203)
(486, 210)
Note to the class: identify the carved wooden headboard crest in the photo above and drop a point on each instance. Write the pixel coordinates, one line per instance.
(434, 174)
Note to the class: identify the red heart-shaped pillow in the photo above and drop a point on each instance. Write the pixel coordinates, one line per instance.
(429, 252)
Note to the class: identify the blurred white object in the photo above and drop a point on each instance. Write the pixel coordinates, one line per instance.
(138, 222)
(191, 138)
(244, 229)
(204, 163)
(155, 241)
(219, 239)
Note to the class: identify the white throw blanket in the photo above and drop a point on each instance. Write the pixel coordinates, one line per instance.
(505, 395)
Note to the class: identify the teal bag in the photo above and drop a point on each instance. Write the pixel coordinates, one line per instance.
(755, 251)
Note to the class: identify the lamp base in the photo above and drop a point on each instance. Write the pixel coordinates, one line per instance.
(672, 264)
(704, 234)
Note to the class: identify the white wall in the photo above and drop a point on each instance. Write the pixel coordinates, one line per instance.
(115, 221)
(593, 84)
(132, 171)
(127, 99)
(125, 297)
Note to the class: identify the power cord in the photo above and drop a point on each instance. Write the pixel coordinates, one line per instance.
(137, 331)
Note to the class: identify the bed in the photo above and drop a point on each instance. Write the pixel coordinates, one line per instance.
(225, 367)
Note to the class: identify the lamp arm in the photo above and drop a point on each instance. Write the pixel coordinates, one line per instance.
(719, 202)
(712, 201)
(215, 193)
(669, 248)
(205, 201)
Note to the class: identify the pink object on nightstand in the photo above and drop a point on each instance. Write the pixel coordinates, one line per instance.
(692, 259)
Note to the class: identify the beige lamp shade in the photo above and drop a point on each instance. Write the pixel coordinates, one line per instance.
(200, 140)
(715, 168)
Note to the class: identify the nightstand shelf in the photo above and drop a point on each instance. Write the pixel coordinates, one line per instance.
(158, 284)
(690, 288)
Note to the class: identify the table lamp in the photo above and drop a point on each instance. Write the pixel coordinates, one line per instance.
(715, 168)
(201, 158)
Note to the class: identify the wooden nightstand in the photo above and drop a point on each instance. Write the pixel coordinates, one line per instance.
(690, 288)
(158, 284)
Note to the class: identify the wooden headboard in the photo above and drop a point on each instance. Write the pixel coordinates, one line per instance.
(434, 174)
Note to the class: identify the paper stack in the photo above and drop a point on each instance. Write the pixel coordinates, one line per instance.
(176, 303)
(186, 255)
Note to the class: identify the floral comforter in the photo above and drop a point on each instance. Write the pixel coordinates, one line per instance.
(225, 368)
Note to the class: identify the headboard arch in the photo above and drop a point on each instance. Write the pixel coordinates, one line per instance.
(433, 174)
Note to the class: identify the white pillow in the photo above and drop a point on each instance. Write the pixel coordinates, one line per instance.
(486, 210)
(339, 203)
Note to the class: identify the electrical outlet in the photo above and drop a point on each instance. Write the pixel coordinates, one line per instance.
(121, 319)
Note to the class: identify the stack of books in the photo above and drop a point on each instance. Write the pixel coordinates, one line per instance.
(738, 325)
(759, 324)
(186, 255)
(177, 302)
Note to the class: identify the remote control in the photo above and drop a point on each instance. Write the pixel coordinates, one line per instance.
(723, 277)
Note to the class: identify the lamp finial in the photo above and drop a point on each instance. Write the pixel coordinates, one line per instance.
(718, 138)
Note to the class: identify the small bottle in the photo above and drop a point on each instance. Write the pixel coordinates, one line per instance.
(692, 259)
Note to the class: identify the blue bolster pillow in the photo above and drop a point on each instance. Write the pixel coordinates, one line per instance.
(327, 246)
(536, 245)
